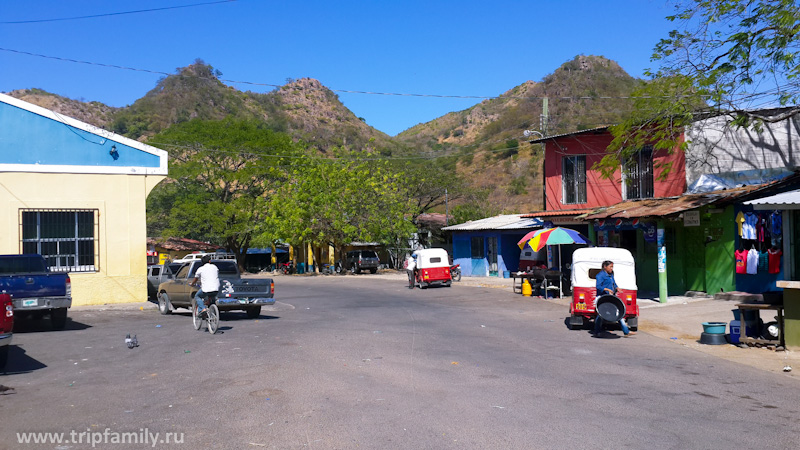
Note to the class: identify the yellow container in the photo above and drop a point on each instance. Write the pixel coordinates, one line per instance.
(527, 289)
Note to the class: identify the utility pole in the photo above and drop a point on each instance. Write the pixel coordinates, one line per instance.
(545, 115)
(446, 209)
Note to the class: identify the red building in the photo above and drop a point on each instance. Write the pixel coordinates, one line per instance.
(572, 183)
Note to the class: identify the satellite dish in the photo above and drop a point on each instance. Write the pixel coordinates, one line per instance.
(527, 133)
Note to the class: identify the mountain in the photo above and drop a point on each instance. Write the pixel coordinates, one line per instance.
(483, 143)
(94, 113)
(303, 108)
(488, 137)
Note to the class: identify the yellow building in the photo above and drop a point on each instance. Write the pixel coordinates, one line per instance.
(75, 194)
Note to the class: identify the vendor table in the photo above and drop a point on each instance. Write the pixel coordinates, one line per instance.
(517, 279)
(760, 307)
(537, 280)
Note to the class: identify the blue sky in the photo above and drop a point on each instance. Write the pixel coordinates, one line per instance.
(432, 47)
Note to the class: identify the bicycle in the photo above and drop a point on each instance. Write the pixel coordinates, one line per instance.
(210, 315)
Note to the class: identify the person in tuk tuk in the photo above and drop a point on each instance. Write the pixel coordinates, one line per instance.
(606, 285)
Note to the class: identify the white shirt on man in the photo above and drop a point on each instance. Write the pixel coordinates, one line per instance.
(411, 263)
(209, 277)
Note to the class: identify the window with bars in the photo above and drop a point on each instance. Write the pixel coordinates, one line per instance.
(66, 238)
(639, 175)
(574, 179)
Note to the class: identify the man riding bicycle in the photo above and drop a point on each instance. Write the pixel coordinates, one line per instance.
(208, 274)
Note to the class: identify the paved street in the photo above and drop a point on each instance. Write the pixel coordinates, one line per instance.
(363, 362)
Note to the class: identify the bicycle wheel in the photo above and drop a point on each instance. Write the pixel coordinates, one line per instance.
(213, 318)
(196, 320)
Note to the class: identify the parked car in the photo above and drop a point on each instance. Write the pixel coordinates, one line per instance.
(159, 273)
(6, 326)
(235, 293)
(34, 290)
(358, 260)
(199, 255)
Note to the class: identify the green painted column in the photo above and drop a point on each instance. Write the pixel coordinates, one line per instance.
(791, 313)
(662, 263)
(592, 233)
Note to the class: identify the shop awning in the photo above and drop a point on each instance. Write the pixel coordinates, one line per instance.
(785, 200)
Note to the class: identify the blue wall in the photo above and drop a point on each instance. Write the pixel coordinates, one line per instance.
(507, 252)
(29, 138)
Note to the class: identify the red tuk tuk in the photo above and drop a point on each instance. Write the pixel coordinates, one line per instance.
(586, 264)
(433, 267)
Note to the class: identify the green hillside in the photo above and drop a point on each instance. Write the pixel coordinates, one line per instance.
(483, 144)
(488, 137)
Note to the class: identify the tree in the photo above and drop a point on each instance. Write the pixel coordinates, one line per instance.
(726, 58)
(354, 196)
(221, 179)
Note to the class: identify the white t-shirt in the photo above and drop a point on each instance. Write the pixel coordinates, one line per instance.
(411, 264)
(209, 277)
(752, 261)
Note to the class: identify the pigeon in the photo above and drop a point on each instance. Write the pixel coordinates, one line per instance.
(131, 341)
(4, 389)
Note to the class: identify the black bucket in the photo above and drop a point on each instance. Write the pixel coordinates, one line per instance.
(610, 308)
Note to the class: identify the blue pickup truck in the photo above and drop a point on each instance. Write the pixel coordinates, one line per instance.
(34, 290)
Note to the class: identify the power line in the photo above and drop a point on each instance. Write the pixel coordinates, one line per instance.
(121, 13)
(345, 91)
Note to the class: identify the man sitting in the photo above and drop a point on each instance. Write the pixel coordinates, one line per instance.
(208, 274)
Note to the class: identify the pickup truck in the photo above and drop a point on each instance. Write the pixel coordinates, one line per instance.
(235, 293)
(6, 327)
(34, 290)
(159, 273)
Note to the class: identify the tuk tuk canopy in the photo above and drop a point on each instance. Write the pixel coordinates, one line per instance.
(428, 258)
(587, 262)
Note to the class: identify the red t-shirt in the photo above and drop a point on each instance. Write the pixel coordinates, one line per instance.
(774, 260)
(741, 261)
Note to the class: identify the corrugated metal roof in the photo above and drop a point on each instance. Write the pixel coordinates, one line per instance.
(571, 133)
(786, 198)
(501, 222)
(559, 213)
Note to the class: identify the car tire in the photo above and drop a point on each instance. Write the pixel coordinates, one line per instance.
(164, 305)
(253, 312)
(58, 318)
(3, 356)
(375, 270)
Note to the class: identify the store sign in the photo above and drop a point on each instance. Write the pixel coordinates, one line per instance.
(691, 219)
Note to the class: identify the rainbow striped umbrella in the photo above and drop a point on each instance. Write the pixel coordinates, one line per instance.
(552, 236)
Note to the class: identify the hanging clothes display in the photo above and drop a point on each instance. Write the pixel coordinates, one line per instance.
(763, 262)
(749, 226)
(741, 260)
(740, 222)
(774, 260)
(775, 221)
(752, 261)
